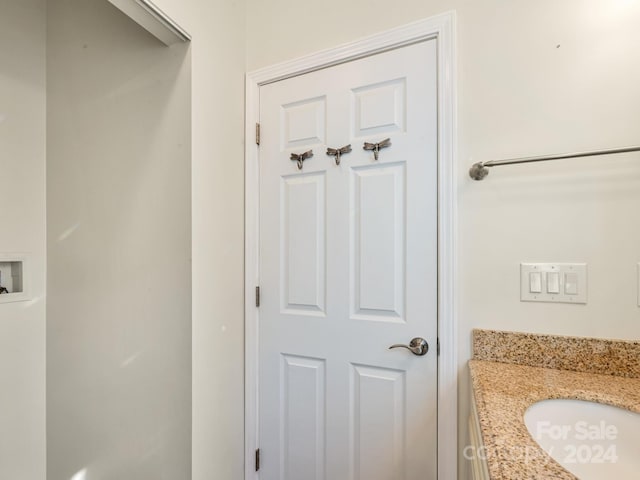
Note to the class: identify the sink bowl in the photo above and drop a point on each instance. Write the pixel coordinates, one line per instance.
(591, 440)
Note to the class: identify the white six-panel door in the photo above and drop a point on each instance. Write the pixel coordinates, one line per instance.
(348, 267)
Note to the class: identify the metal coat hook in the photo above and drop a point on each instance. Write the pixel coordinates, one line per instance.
(338, 152)
(301, 157)
(376, 147)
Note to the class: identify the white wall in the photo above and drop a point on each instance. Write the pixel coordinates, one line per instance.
(119, 248)
(533, 78)
(22, 229)
(518, 94)
(218, 48)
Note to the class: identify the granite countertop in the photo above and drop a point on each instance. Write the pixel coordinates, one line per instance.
(507, 383)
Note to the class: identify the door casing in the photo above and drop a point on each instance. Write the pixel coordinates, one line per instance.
(441, 27)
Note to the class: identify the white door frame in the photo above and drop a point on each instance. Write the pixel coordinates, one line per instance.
(441, 27)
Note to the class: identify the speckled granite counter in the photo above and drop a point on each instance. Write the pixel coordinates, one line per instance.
(504, 386)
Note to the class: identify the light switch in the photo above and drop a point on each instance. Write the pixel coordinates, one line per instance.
(571, 283)
(556, 282)
(535, 282)
(553, 282)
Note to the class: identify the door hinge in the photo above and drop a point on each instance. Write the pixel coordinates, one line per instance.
(257, 296)
(257, 134)
(438, 345)
(257, 460)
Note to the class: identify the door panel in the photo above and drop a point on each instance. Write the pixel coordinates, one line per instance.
(377, 242)
(303, 246)
(379, 108)
(348, 266)
(303, 123)
(303, 410)
(379, 420)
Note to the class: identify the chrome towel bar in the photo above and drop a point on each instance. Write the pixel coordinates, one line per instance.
(481, 169)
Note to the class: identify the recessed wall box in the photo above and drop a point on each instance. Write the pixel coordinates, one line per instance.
(13, 278)
(639, 284)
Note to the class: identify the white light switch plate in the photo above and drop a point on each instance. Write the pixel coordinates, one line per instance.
(551, 275)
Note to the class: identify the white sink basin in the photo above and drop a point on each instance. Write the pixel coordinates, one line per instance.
(591, 440)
